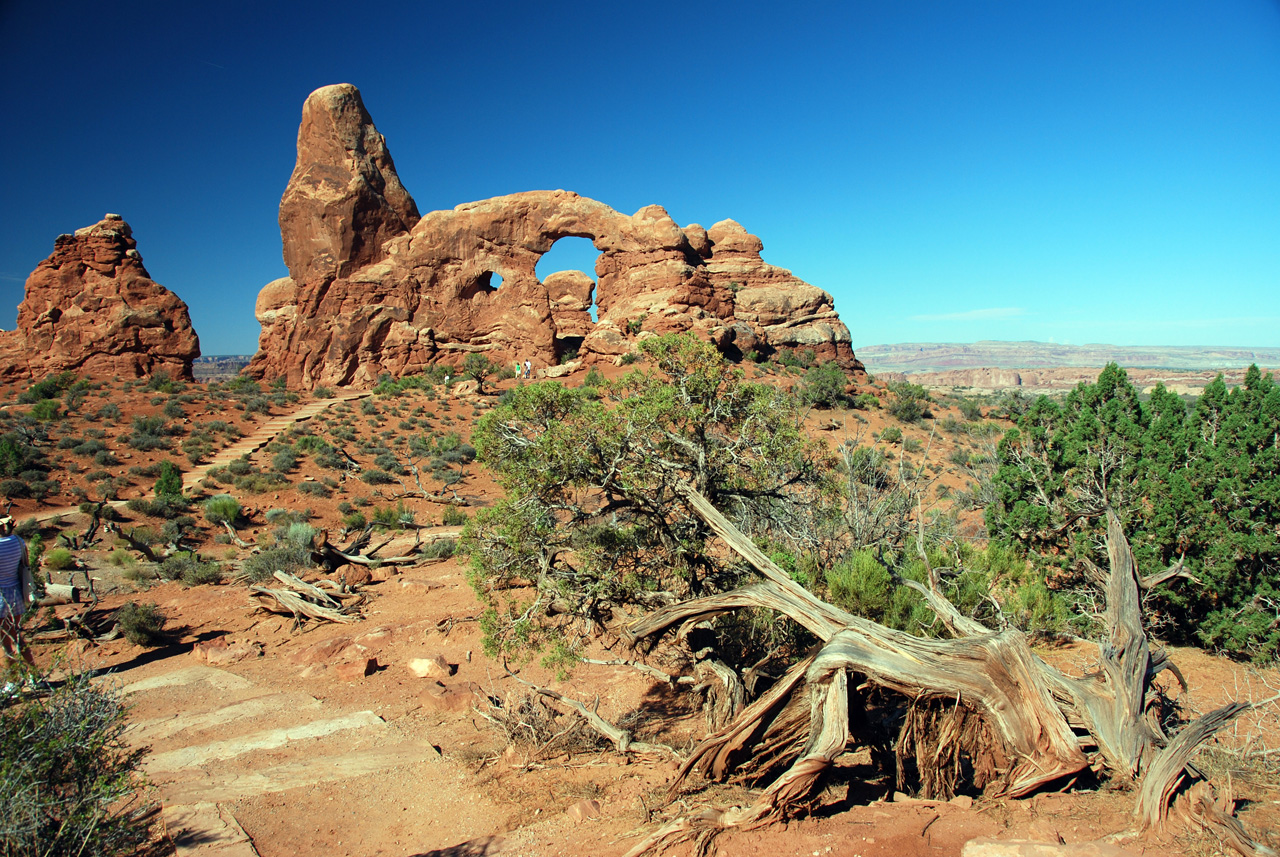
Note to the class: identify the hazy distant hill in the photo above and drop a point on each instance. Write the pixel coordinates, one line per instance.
(219, 367)
(942, 356)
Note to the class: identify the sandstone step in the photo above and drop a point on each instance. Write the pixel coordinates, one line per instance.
(214, 677)
(184, 725)
(227, 785)
(270, 739)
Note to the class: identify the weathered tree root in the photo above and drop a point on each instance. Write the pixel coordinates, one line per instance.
(1026, 706)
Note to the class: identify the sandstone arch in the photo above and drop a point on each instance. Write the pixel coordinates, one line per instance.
(410, 291)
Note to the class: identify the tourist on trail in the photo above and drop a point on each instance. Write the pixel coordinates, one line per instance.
(15, 595)
(528, 369)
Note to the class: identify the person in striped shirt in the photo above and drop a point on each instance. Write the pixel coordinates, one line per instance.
(15, 594)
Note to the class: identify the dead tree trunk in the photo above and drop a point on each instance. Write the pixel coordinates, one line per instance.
(1025, 705)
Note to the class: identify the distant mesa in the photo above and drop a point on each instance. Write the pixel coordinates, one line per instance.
(93, 309)
(375, 288)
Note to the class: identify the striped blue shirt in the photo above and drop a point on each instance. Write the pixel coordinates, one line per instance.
(12, 551)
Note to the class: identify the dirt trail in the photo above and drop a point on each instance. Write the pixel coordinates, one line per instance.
(248, 445)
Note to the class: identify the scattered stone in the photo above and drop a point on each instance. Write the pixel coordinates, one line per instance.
(441, 697)
(433, 667)
(357, 575)
(220, 651)
(962, 801)
(582, 810)
(329, 651)
(355, 670)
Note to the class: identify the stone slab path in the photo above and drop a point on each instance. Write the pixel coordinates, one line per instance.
(216, 737)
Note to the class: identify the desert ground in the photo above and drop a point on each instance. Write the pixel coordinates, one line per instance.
(392, 732)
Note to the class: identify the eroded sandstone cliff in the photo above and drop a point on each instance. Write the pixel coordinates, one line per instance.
(374, 288)
(93, 309)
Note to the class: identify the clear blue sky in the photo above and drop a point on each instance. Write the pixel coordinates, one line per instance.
(1068, 171)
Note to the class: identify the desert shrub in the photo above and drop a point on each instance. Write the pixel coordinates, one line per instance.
(121, 557)
(890, 434)
(441, 549)
(188, 568)
(140, 572)
(971, 410)
(866, 401)
(354, 520)
(284, 461)
(314, 489)
(374, 476)
(105, 458)
(49, 388)
(322, 393)
(260, 567)
(69, 781)
(168, 506)
(162, 382)
(311, 443)
(240, 467)
(824, 386)
(283, 517)
(387, 461)
(222, 509)
(46, 410)
(173, 410)
(109, 411)
(453, 517)
(912, 444)
(59, 559)
(908, 403)
(141, 624)
(151, 433)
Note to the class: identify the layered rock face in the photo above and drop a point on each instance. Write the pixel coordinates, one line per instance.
(375, 289)
(93, 309)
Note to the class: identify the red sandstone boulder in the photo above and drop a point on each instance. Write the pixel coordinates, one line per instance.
(92, 308)
(375, 289)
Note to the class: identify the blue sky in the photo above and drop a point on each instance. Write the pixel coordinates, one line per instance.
(1066, 171)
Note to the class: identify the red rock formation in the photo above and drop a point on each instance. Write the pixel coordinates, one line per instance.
(375, 289)
(93, 309)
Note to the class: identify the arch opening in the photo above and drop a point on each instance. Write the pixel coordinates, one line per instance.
(572, 254)
(485, 284)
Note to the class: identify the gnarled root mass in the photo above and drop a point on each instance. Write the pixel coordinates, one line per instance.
(980, 707)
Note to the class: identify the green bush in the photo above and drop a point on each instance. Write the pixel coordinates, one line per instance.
(824, 386)
(314, 489)
(909, 402)
(374, 476)
(141, 624)
(260, 567)
(453, 517)
(890, 434)
(222, 509)
(169, 482)
(59, 559)
(70, 783)
(121, 557)
(188, 568)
